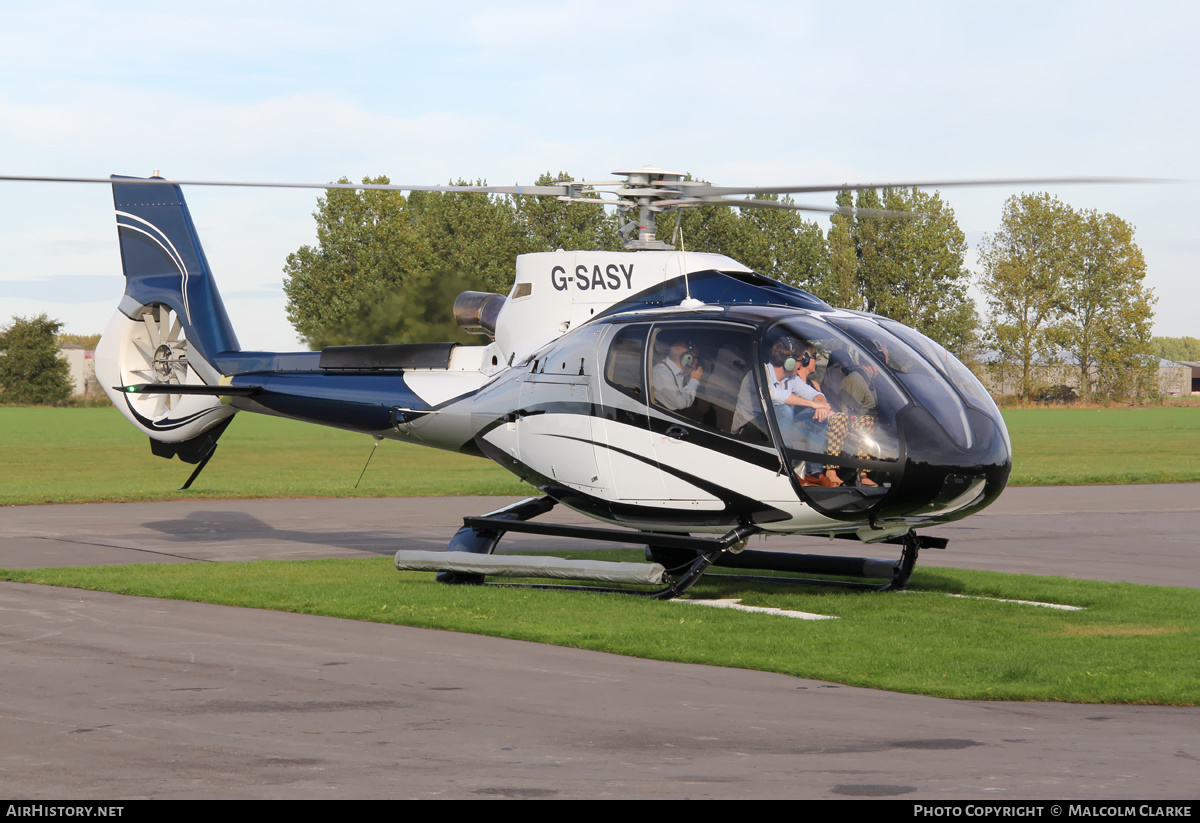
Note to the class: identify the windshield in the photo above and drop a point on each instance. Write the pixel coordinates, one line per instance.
(927, 385)
(963, 379)
(873, 419)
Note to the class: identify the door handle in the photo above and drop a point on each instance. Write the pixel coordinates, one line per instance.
(677, 432)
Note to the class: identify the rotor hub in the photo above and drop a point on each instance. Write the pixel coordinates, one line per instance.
(163, 358)
(642, 190)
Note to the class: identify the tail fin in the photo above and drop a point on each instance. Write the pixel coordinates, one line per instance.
(164, 263)
(171, 325)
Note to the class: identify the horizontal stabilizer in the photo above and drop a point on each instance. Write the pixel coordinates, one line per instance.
(388, 356)
(510, 565)
(181, 388)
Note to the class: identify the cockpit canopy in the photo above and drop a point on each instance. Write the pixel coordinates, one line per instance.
(853, 404)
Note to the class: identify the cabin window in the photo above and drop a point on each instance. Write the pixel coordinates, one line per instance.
(625, 368)
(697, 372)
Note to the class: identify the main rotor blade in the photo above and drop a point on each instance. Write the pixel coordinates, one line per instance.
(702, 190)
(848, 211)
(696, 189)
(553, 191)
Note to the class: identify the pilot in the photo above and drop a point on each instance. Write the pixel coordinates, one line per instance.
(801, 409)
(896, 361)
(677, 377)
(880, 349)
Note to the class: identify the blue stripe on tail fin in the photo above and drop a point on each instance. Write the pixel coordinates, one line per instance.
(164, 263)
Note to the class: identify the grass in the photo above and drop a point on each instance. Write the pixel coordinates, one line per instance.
(1054, 447)
(53, 455)
(1131, 644)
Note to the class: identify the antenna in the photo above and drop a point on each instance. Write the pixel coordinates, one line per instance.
(369, 456)
(688, 301)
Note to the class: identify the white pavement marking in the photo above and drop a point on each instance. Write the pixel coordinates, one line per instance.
(1005, 600)
(1022, 602)
(736, 605)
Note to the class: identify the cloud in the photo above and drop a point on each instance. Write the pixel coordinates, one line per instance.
(65, 288)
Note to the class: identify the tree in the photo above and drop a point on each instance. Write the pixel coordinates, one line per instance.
(363, 245)
(1107, 310)
(547, 225)
(419, 311)
(31, 372)
(908, 269)
(785, 246)
(1060, 281)
(1179, 349)
(372, 245)
(1025, 267)
(476, 235)
(777, 243)
(841, 285)
(86, 341)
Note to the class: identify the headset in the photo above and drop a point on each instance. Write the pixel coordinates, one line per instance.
(790, 364)
(687, 360)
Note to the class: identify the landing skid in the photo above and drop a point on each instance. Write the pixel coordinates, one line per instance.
(478, 537)
(677, 561)
(894, 573)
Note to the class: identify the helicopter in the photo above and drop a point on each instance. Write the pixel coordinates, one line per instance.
(682, 400)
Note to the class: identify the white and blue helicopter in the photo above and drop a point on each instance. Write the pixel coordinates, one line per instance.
(680, 398)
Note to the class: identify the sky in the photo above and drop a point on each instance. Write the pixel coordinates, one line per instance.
(739, 94)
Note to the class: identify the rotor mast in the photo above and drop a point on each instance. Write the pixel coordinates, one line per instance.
(642, 189)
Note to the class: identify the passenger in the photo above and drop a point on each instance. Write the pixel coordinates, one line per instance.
(855, 396)
(800, 409)
(854, 391)
(677, 377)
